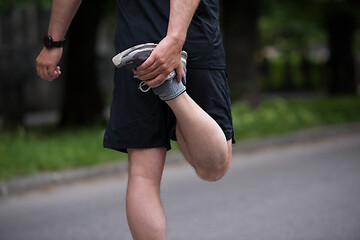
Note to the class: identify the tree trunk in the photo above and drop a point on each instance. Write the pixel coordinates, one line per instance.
(82, 103)
(288, 77)
(240, 40)
(306, 69)
(341, 65)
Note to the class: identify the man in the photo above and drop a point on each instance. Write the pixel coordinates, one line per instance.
(141, 123)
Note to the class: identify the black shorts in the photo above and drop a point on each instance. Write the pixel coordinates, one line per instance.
(142, 120)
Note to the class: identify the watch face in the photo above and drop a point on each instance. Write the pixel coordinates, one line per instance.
(47, 40)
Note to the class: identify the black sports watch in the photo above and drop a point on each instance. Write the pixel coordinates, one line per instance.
(50, 43)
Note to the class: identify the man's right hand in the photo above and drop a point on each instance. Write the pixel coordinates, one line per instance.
(47, 63)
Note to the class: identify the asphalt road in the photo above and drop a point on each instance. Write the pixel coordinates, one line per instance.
(301, 192)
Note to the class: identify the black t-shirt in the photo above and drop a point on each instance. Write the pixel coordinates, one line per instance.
(142, 21)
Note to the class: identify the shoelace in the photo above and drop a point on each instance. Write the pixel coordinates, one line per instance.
(142, 83)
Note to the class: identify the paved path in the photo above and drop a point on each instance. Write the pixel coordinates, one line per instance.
(300, 192)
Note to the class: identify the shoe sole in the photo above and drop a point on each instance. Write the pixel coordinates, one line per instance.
(126, 58)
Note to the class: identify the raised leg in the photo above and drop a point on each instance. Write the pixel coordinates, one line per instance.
(144, 210)
(200, 139)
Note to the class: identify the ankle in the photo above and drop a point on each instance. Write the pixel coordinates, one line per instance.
(169, 89)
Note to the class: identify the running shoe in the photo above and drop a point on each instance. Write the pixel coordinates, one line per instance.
(134, 56)
(131, 58)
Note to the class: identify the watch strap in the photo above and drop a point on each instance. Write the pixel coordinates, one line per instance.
(58, 44)
(50, 43)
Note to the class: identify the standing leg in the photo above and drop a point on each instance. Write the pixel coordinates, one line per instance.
(144, 210)
(200, 138)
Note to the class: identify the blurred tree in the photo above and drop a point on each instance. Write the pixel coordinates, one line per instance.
(16, 59)
(295, 25)
(340, 22)
(291, 27)
(240, 40)
(82, 103)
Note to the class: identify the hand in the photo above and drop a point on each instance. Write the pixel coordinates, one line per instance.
(46, 63)
(165, 58)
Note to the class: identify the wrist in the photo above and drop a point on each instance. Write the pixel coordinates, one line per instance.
(50, 43)
(177, 39)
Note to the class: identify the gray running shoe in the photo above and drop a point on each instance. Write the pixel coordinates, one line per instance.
(131, 58)
(134, 56)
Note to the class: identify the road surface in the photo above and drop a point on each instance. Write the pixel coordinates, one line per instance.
(308, 191)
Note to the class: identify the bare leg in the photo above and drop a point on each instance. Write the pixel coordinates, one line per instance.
(144, 210)
(201, 139)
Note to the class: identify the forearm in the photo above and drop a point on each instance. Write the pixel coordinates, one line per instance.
(181, 14)
(62, 13)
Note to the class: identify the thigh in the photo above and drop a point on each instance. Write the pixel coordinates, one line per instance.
(209, 89)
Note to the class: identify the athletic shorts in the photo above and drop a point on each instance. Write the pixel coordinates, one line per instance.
(142, 120)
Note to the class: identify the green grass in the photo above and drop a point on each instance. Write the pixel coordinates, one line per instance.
(29, 152)
(26, 153)
(280, 116)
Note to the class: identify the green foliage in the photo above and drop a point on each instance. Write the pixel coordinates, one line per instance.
(8, 5)
(280, 116)
(26, 153)
(290, 24)
(273, 79)
(296, 33)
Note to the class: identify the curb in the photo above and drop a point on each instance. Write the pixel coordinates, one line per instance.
(26, 184)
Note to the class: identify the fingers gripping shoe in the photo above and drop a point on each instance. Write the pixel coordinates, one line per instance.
(131, 58)
(171, 88)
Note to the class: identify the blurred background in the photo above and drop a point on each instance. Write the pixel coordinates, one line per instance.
(291, 65)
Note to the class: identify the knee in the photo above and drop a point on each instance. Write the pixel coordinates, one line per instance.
(215, 172)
